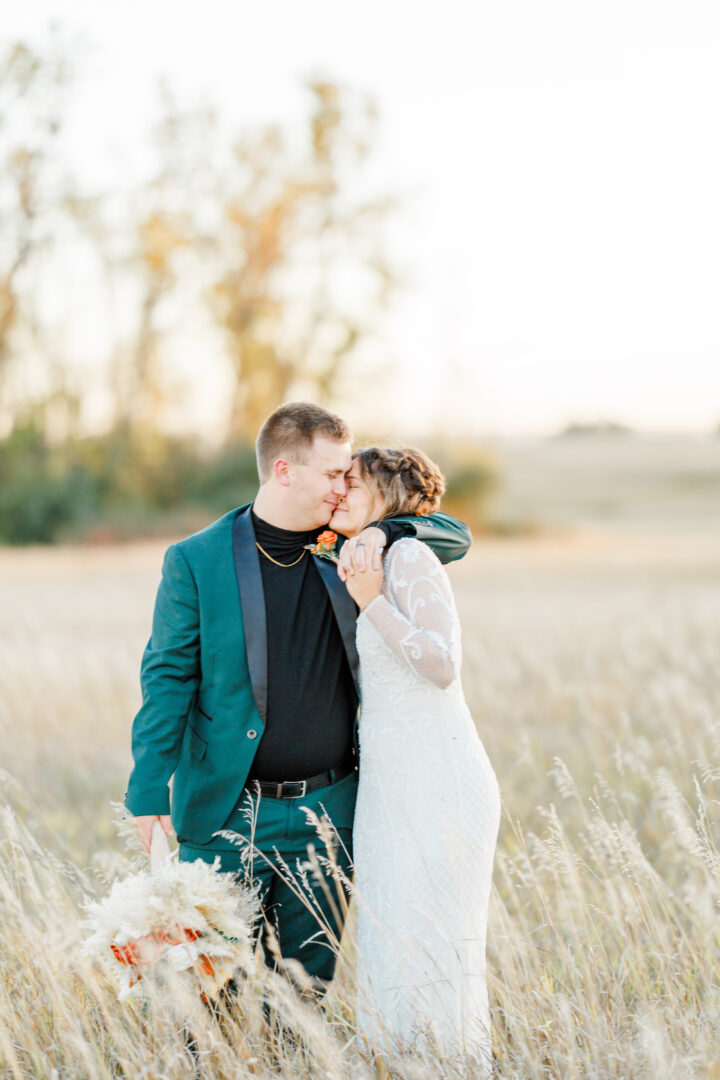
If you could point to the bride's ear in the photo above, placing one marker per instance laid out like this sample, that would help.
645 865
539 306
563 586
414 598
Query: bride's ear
379 504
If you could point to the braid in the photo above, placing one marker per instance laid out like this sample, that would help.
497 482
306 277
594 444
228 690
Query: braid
408 480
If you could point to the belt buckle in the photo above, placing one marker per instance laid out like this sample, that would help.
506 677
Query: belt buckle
301 794
280 789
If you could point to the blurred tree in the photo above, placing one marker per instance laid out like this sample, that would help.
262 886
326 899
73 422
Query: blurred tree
581 428
264 242
32 101
270 237
301 274
161 223
472 477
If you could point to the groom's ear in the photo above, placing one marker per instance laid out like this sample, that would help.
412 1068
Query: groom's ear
281 472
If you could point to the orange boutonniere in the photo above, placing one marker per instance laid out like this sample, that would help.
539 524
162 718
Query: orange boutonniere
324 546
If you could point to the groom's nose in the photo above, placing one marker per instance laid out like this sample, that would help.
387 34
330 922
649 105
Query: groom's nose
340 487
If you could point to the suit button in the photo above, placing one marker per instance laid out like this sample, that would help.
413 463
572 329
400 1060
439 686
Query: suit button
252 733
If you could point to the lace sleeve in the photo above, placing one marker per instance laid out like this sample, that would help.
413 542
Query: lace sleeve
416 618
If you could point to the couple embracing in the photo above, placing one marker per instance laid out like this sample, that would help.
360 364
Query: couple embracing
260 654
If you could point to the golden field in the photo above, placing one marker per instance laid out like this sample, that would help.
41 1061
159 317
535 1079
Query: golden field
591 665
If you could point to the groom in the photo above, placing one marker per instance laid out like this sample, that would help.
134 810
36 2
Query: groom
249 678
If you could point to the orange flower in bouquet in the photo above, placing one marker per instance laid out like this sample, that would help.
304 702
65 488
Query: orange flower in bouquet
185 920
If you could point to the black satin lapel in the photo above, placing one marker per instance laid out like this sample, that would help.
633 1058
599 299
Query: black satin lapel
344 608
252 600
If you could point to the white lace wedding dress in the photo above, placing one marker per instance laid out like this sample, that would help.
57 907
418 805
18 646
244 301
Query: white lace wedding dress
426 821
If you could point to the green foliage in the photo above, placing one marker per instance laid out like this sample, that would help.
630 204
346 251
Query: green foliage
120 484
39 497
138 482
226 480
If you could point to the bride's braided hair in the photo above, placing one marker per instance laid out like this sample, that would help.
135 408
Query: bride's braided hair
407 479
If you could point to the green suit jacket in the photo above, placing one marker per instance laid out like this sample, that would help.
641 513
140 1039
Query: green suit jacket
204 671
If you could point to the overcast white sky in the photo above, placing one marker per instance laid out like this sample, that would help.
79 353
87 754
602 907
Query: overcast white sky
563 232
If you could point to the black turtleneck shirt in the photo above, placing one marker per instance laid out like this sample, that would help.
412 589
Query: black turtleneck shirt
311 694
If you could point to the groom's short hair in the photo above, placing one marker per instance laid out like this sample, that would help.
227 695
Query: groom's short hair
289 432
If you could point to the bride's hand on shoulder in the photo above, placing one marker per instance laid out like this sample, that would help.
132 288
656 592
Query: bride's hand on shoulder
364 585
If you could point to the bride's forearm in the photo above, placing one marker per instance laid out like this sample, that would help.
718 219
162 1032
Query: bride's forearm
423 650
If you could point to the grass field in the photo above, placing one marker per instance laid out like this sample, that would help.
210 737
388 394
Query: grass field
591 665
660 481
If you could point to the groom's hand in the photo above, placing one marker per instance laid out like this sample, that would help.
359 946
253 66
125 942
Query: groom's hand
361 552
144 825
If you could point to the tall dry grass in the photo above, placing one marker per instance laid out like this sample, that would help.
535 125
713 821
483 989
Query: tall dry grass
592 670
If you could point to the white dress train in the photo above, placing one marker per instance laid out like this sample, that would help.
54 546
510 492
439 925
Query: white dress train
426 822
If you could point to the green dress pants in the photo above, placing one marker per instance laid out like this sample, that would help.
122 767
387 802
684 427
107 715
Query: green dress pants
280 832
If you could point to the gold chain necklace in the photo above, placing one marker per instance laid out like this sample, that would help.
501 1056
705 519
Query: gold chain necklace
285 564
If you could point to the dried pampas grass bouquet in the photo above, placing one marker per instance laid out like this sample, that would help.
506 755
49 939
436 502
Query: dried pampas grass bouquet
184 921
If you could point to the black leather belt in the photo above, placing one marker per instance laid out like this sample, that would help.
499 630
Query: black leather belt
297 789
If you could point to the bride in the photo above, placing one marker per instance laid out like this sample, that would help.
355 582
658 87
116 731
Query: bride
428 806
